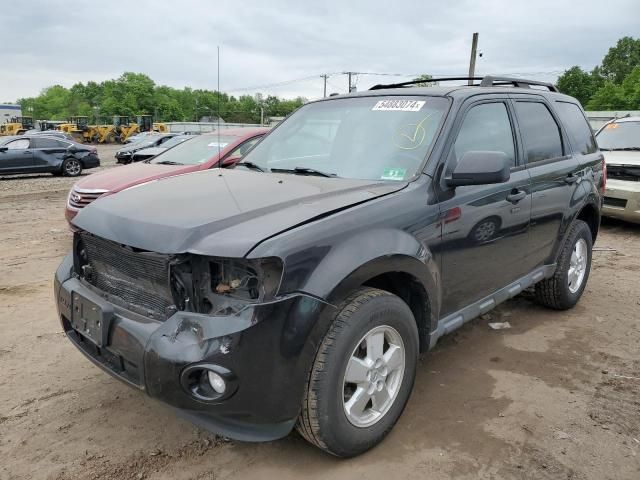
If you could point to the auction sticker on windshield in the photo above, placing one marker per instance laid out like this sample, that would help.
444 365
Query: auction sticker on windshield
399 105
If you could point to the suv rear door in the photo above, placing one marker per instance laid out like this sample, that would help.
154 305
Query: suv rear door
555 175
484 227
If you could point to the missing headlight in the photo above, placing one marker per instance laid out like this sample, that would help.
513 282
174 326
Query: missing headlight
224 286
234 278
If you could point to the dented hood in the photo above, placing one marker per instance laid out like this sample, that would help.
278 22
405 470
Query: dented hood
221 212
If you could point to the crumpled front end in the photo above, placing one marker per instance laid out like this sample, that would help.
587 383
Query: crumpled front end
208 336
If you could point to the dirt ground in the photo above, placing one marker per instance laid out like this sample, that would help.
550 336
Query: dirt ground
556 396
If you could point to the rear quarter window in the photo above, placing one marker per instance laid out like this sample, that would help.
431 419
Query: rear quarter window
580 134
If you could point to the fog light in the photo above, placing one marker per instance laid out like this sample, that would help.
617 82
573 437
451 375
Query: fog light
217 382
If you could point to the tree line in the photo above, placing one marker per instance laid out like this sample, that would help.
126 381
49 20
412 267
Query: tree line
135 94
612 85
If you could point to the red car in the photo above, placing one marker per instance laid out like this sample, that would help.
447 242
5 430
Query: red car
199 153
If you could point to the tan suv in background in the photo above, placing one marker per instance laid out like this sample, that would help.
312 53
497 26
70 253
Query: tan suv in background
619 140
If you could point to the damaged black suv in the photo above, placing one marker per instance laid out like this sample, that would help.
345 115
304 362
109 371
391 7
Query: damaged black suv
298 288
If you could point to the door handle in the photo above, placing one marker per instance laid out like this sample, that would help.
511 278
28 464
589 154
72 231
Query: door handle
26 153
571 178
516 195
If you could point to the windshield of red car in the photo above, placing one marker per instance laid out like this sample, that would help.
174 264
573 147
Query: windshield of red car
199 149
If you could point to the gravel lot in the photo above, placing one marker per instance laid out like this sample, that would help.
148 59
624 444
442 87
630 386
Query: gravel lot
554 397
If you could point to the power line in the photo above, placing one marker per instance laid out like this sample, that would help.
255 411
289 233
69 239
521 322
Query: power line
279 84
379 74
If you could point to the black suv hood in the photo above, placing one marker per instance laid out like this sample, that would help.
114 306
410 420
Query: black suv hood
221 212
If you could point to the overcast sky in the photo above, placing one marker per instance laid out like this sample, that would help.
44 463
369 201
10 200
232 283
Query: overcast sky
264 43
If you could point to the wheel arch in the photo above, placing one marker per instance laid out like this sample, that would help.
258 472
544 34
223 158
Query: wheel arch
404 276
590 214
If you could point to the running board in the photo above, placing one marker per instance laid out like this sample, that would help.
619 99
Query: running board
455 320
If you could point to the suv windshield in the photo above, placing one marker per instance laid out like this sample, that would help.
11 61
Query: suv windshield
198 149
620 136
372 138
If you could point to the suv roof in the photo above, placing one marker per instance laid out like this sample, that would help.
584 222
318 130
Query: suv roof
487 84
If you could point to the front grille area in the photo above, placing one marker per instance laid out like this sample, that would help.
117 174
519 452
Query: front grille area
619 172
80 198
615 202
138 279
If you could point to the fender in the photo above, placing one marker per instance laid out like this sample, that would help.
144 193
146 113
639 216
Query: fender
590 199
350 264
333 272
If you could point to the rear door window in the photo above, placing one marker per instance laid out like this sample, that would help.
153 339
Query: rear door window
540 132
578 128
45 143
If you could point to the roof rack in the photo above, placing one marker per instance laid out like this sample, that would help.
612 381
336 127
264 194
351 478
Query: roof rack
487 81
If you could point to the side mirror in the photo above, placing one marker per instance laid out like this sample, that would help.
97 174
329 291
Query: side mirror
480 168
4 149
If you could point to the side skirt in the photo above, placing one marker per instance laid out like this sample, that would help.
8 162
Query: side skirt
455 320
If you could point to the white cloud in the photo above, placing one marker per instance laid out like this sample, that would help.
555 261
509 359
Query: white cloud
263 43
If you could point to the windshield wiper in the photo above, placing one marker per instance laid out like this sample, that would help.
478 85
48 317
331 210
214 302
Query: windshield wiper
251 165
168 162
624 148
304 170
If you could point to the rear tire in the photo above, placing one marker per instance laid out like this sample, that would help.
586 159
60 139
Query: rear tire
563 290
362 375
71 167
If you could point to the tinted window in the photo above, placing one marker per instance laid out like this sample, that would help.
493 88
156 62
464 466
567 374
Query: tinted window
45 143
21 144
579 130
540 132
620 135
486 127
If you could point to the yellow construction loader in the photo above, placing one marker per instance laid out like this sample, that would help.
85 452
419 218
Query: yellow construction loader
16 126
79 128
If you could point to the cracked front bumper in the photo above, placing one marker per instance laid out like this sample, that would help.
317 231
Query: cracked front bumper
264 346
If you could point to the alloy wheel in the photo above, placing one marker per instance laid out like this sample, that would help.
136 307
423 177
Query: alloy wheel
373 376
73 167
577 265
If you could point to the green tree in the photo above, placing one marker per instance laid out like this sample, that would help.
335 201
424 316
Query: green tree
618 97
133 94
579 84
424 76
621 59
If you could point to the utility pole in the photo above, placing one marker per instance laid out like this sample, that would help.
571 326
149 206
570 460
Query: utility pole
350 89
324 91
472 60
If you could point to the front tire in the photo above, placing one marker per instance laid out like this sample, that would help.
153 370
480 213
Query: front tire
362 375
563 290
